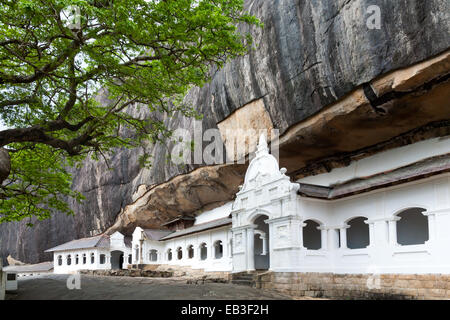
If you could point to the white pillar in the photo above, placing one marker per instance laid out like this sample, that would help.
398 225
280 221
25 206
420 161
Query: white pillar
333 239
371 232
431 226
343 234
302 225
250 249
393 231
264 245
323 238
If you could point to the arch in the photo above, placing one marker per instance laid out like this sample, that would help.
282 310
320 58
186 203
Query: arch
412 227
117 259
60 260
255 214
410 205
102 258
218 249
203 251
357 233
179 253
69 260
312 236
153 255
169 254
190 251
261 253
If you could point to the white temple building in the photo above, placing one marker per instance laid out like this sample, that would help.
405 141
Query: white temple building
387 213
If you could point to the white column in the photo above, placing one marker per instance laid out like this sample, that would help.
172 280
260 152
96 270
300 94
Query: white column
333 239
141 244
431 226
264 245
343 233
371 232
393 231
323 238
271 243
250 249
302 225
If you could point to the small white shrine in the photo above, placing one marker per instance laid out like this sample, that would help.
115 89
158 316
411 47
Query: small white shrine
387 213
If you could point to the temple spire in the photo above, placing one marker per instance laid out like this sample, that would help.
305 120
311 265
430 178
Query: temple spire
262 145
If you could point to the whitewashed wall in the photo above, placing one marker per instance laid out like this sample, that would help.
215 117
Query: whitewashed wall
383 254
73 267
268 192
211 263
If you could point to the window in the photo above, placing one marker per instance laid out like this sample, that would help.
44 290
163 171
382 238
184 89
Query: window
153 256
92 258
11 276
358 233
69 260
102 259
190 251
218 249
312 239
179 253
412 228
203 251
84 258
77 259
169 254
129 258
60 260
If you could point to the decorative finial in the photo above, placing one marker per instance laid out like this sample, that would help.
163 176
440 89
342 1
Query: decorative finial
262 145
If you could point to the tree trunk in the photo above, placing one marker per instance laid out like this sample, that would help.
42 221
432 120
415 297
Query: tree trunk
5 164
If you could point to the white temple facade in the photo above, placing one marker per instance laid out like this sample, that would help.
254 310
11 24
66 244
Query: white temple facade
387 213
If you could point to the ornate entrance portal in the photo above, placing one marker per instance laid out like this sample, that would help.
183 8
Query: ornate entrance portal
265 217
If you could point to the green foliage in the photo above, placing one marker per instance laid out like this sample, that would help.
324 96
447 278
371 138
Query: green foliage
38 181
67 85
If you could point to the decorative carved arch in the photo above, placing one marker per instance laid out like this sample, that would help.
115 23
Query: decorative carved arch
254 214
409 206
354 217
320 223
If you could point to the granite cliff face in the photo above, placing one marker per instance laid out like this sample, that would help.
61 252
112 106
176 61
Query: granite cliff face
333 87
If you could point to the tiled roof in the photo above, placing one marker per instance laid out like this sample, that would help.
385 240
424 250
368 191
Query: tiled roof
199 227
179 219
156 234
39 267
100 241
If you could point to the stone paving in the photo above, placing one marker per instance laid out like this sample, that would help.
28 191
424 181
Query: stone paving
54 287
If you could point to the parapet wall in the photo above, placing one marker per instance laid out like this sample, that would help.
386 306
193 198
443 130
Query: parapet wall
357 286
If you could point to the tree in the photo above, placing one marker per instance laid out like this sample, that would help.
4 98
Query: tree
57 56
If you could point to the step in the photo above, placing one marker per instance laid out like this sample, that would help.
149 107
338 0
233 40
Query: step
243 278
243 282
